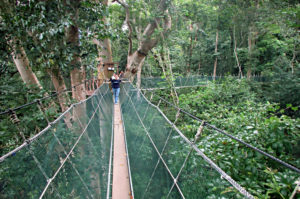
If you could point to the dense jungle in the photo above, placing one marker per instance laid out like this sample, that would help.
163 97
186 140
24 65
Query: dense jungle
245 52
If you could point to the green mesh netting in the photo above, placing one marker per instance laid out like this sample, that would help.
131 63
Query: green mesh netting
188 81
158 154
83 134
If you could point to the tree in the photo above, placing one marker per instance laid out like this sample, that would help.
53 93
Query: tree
135 59
13 39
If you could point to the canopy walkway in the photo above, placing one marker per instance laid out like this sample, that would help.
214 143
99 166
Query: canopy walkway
75 155
153 83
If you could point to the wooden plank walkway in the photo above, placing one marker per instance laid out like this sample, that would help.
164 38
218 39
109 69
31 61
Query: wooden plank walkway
121 183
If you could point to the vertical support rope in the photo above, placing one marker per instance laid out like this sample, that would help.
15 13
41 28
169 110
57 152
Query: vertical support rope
208 160
15 120
45 129
197 136
42 109
87 136
154 146
71 151
234 138
158 161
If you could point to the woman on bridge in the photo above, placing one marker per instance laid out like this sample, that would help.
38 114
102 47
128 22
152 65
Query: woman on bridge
115 84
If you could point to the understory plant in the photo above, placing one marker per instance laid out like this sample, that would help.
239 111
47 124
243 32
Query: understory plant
233 107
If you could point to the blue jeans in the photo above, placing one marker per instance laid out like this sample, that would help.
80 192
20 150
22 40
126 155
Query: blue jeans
116 92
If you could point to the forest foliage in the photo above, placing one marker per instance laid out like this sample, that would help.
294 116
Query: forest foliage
237 39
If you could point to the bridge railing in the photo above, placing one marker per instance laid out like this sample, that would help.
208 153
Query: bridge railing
187 81
163 162
68 159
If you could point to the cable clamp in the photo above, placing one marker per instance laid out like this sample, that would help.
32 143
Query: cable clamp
13 116
49 180
38 101
199 131
27 141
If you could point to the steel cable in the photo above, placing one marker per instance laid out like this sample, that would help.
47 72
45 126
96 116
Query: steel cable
232 137
41 99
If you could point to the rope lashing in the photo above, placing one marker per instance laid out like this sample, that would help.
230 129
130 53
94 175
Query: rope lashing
13 117
199 131
15 120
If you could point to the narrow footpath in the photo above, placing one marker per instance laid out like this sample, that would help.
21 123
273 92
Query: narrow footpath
121 184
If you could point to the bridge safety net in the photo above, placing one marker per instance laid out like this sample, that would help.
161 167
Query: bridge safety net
186 81
163 162
72 156
68 159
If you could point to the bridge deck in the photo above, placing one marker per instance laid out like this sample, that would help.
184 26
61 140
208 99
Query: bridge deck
121 183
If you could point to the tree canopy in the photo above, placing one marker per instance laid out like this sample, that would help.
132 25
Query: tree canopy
52 46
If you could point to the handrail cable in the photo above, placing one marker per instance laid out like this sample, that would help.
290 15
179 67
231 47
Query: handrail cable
207 159
70 152
232 137
44 130
43 98
155 148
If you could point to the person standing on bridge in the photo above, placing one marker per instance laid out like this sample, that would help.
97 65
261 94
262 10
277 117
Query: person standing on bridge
115 84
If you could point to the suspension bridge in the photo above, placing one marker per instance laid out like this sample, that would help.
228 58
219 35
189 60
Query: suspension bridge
99 150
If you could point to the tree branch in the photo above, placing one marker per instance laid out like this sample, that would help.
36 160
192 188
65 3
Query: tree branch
97 42
127 19
149 43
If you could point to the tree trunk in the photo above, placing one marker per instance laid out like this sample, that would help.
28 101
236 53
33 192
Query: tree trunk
216 59
173 90
189 62
22 63
77 82
199 67
168 73
293 59
60 86
78 72
104 56
249 69
136 59
63 98
104 51
138 82
251 42
236 55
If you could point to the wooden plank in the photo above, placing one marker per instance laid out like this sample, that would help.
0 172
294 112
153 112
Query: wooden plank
121 183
